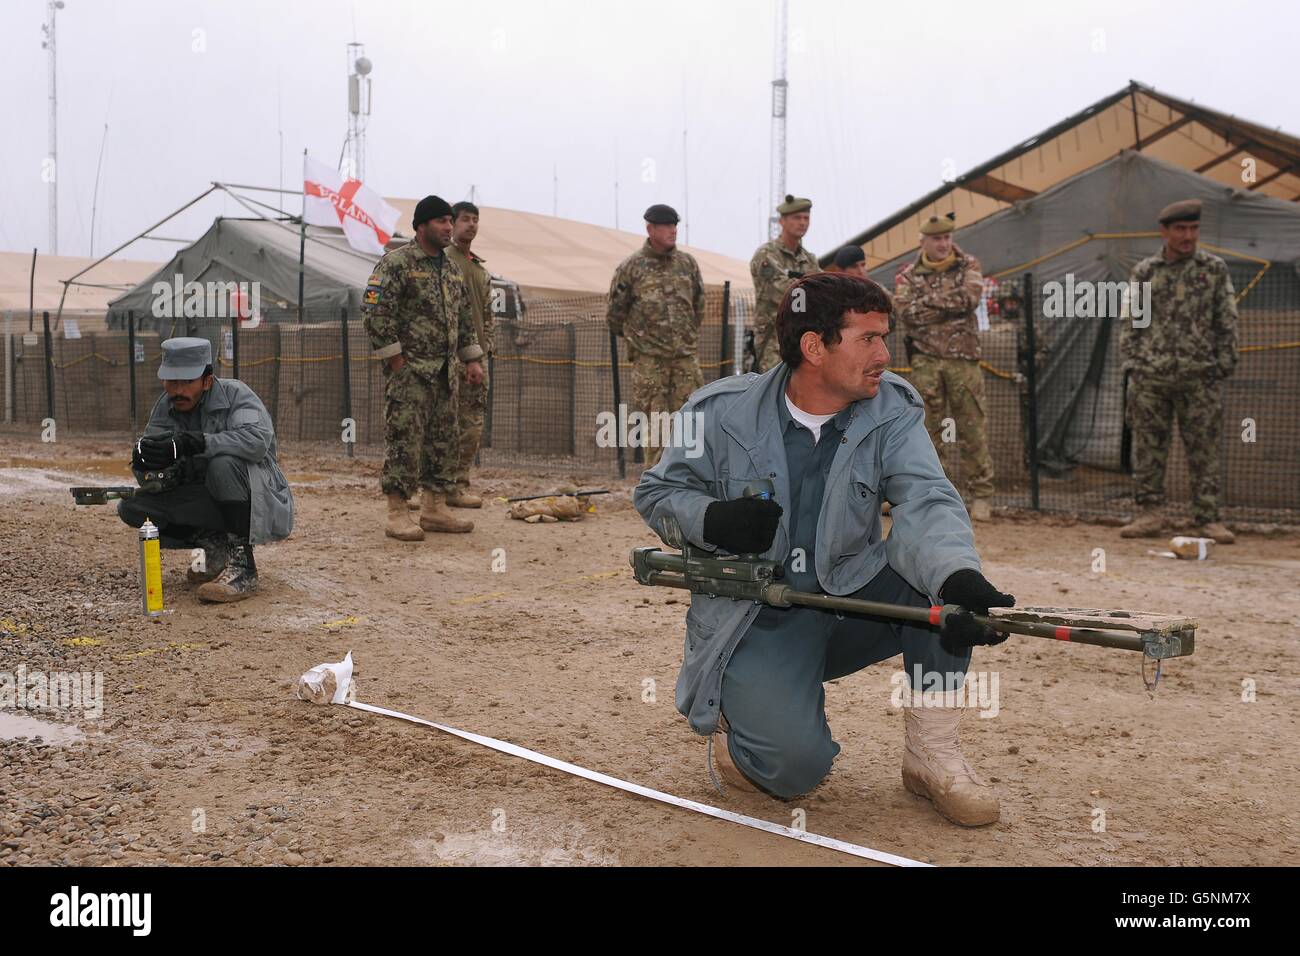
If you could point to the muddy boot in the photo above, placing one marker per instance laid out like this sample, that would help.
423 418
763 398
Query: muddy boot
934 768
216 552
400 523
1148 523
1218 531
434 516
237 580
722 766
464 498
981 510
414 503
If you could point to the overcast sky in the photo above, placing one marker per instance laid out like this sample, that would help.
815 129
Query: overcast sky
505 96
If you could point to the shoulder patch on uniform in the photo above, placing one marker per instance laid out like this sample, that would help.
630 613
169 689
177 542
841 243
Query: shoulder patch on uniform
375 280
371 297
903 385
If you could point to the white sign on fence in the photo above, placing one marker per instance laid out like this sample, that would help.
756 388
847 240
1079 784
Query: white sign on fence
71 330
139 353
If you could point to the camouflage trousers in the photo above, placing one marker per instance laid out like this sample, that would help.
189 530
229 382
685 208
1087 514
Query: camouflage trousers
663 385
471 411
767 347
955 387
421 440
1152 406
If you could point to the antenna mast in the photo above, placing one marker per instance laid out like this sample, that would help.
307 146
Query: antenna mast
52 169
779 94
359 67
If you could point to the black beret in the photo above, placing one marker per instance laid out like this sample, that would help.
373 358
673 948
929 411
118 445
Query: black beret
1185 210
430 207
849 255
661 215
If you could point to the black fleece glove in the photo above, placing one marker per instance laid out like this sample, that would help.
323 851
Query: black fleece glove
742 526
155 452
972 591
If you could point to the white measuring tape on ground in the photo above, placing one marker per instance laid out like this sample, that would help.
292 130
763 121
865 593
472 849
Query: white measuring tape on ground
801 835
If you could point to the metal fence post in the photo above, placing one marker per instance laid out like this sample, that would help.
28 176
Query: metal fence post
130 362
726 327
234 343
1031 384
49 367
613 367
347 378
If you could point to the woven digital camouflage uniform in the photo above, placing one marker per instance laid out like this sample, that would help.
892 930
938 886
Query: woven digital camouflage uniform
936 311
774 268
417 305
1175 369
656 300
472 404
663 385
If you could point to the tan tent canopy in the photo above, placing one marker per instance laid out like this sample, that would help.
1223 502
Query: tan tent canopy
549 255
110 280
1157 125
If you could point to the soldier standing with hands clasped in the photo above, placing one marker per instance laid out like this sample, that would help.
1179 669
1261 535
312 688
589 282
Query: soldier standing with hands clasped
417 314
776 266
656 300
935 298
1176 366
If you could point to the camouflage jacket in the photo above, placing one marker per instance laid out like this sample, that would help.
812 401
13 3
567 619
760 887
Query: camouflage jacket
479 282
657 301
1193 328
774 269
417 305
936 310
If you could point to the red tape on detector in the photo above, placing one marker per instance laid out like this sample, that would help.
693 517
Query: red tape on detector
935 613
1062 633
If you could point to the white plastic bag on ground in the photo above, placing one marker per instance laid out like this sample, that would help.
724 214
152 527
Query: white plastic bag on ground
329 683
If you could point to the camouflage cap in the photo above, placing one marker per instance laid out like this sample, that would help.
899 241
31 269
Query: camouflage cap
938 225
184 359
661 215
1185 210
794 204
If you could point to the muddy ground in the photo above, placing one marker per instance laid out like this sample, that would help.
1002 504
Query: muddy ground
202 754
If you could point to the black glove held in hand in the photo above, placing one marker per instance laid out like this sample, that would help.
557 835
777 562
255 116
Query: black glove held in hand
155 453
191 443
742 526
972 591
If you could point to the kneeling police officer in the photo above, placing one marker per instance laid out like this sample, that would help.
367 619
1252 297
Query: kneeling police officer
208 457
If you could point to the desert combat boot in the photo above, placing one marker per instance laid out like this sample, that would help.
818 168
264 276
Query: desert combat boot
400 523
934 767
1148 523
434 516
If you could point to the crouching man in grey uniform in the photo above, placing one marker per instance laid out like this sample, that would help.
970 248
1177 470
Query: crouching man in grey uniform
834 434
222 490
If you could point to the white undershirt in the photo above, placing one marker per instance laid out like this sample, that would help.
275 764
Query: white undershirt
813 423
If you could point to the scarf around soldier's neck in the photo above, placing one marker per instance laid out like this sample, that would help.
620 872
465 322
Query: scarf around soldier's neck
943 265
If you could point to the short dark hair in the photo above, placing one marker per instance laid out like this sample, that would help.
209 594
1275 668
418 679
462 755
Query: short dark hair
461 207
207 370
826 297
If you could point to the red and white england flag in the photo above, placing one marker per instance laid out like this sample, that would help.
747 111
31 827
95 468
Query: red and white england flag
331 200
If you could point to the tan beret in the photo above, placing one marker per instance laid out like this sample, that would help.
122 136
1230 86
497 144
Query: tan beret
1185 210
938 225
794 204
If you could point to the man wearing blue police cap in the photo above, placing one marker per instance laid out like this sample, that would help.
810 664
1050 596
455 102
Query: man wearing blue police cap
208 472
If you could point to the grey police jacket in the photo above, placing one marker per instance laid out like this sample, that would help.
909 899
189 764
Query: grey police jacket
235 422
885 453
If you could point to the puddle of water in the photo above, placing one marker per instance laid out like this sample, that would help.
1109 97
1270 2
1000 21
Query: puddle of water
13 726
118 467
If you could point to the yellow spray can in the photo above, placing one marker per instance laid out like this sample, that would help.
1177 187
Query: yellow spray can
151 593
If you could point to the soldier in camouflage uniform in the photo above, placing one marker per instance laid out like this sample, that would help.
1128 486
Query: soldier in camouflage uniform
656 300
473 398
1176 366
935 301
417 313
775 267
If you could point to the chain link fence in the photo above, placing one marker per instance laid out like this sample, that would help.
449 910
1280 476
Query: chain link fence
552 374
